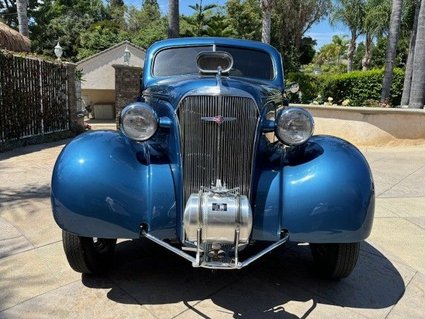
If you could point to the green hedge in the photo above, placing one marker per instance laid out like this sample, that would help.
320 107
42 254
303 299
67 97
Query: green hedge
362 88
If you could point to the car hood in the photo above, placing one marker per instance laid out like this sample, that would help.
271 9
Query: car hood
174 89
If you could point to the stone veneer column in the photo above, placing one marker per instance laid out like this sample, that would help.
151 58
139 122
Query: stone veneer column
76 120
127 87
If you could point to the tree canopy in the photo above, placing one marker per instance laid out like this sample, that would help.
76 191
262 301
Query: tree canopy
85 27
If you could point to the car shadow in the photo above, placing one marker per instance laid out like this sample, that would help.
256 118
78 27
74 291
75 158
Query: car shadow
151 275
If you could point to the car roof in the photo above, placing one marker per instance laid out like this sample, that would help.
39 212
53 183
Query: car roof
211 41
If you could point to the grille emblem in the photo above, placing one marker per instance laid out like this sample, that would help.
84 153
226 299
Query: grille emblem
218 119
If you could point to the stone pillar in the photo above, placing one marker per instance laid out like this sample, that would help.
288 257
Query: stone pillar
127 87
76 120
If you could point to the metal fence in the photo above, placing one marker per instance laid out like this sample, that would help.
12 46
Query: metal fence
33 97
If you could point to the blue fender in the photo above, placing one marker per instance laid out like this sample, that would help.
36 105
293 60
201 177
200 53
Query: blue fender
105 185
322 192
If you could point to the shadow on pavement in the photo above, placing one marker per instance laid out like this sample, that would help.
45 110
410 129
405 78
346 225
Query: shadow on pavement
152 275
26 194
31 149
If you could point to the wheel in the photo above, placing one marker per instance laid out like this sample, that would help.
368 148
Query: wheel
335 261
88 255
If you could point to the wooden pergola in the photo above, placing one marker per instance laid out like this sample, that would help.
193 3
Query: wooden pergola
12 40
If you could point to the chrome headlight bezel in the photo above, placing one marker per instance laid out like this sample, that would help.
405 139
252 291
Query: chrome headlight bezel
294 126
131 118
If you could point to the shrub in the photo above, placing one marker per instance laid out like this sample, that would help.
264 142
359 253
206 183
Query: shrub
371 103
361 87
309 86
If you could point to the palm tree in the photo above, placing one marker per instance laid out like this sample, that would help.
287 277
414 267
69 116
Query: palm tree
173 19
266 7
331 53
21 8
417 90
393 37
409 64
376 21
350 13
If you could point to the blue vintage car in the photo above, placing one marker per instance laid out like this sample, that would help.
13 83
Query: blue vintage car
212 160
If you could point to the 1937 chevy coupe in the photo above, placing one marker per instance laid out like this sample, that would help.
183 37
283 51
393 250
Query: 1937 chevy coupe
210 160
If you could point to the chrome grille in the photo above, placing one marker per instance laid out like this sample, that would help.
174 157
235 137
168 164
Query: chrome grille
214 151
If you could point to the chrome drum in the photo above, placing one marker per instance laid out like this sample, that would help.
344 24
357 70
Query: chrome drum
218 213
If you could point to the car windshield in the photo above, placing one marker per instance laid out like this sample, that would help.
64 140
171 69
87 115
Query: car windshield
246 62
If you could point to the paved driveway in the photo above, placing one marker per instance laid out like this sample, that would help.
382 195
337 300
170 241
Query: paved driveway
149 282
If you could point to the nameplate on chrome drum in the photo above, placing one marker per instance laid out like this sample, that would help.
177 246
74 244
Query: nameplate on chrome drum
219 207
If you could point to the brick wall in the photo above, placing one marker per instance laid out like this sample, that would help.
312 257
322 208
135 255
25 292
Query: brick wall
127 86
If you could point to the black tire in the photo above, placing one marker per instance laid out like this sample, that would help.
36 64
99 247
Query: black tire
88 255
335 261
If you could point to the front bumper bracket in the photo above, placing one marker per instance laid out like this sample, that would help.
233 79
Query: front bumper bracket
196 261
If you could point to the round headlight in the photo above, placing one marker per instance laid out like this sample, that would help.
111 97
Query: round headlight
294 126
139 121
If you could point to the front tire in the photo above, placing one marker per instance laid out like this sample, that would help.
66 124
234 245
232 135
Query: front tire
88 255
335 261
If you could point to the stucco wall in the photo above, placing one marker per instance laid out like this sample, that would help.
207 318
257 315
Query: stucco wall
98 73
98 96
100 99
370 126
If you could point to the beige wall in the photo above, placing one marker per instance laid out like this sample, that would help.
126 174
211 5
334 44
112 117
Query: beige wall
98 73
92 97
104 99
370 126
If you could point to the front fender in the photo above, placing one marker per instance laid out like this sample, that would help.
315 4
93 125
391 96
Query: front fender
104 185
321 193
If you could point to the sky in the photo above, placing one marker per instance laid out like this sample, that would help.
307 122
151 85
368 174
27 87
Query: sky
322 32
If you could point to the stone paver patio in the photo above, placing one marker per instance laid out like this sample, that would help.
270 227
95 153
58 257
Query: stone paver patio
149 282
